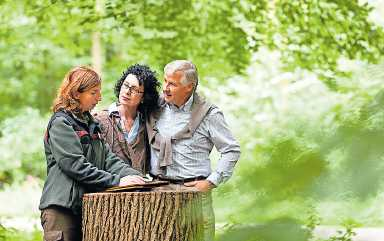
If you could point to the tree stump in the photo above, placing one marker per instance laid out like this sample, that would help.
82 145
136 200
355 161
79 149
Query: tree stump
155 215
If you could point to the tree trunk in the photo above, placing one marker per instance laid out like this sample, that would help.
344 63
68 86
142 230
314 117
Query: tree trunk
157 216
96 50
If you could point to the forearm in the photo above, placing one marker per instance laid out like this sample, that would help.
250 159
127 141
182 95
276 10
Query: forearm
226 144
87 174
225 167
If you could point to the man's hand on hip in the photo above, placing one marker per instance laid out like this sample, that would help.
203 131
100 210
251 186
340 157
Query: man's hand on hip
202 186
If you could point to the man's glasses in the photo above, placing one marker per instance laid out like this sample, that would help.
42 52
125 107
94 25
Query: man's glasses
132 89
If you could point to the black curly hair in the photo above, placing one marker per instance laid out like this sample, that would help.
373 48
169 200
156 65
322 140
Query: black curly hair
146 77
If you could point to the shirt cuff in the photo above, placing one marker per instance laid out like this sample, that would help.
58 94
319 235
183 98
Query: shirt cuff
215 178
115 180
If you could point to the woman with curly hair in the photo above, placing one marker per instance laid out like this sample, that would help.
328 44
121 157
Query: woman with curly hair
123 123
78 161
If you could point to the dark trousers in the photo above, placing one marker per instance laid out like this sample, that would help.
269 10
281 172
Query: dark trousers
60 224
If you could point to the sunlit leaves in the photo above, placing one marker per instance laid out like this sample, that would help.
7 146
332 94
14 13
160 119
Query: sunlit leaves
315 34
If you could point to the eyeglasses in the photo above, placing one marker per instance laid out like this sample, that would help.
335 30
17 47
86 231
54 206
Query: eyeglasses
132 89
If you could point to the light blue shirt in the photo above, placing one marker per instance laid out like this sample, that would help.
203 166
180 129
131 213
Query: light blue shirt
191 155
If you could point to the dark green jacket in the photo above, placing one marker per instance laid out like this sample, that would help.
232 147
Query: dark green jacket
74 168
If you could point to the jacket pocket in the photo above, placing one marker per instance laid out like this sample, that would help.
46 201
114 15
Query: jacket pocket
53 236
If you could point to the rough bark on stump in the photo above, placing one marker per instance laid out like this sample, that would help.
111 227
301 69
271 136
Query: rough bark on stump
155 216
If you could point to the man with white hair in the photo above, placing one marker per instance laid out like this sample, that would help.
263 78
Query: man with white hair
182 135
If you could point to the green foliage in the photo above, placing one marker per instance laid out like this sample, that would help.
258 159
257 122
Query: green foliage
156 31
307 142
284 229
34 59
303 145
41 40
346 235
312 222
359 137
10 234
21 146
295 167
315 34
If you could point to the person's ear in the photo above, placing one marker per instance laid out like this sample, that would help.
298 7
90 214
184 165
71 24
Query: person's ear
190 86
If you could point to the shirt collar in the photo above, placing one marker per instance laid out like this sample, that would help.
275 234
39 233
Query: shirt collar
112 109
186 107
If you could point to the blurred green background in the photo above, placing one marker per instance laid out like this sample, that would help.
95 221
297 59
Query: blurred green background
300 83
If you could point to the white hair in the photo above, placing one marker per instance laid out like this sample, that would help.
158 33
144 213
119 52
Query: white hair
187 68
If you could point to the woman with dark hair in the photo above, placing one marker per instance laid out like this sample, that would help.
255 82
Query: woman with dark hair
78 161
123 123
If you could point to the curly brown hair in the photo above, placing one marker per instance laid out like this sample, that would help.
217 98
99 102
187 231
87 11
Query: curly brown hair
77 80
146 78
